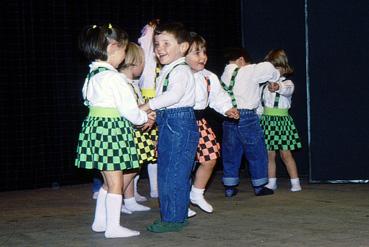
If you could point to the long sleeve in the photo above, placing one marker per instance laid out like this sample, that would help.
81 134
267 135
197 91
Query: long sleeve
219 99
286 88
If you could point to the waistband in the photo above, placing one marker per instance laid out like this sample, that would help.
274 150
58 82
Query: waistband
104 112
171 111
148 92
246 111
275 112
199 114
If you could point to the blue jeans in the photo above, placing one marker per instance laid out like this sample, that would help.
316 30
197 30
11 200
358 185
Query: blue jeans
177 143
244 137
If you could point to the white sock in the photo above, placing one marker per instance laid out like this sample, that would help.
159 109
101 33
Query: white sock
295 184
113 227
272 183
133 206
152 170
190 213
99 224
125 210
197 198
138 197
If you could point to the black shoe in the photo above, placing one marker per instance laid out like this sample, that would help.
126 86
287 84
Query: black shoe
230 191
265 192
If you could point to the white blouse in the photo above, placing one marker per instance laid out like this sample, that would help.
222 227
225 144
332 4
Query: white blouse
109 89
147 79
181 87
285 91
217 98
246 89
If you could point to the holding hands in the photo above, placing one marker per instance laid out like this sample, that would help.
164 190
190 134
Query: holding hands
151 115
233 113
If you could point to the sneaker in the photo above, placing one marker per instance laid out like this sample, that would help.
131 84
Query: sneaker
191 213
230 191
271 186
140 198
201 202
95 195
296 188
125 210
265 192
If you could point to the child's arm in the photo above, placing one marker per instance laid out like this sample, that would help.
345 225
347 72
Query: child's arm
178 80
285 88
219 99
265 71
126 101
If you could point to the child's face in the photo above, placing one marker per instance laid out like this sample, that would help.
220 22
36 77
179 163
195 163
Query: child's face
137 70
116 53
167 49
197 58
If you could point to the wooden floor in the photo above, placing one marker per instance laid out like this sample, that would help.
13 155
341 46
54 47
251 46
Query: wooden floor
320 215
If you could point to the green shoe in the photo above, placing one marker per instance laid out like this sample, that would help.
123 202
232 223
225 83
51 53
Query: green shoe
160 227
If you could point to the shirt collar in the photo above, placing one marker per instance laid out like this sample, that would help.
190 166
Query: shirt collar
95 65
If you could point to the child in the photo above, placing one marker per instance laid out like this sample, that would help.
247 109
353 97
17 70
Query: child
241 80
208 92
106 139
280 131
178 133
147 85
132 68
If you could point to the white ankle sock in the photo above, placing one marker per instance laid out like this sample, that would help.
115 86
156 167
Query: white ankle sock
152 170
197 198
190 213
138 197
272 183
295 184
113 227
133 206
99 224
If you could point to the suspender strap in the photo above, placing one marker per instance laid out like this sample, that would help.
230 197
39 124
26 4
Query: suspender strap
166 80
208 85
229 89
276 100
262 87
89 75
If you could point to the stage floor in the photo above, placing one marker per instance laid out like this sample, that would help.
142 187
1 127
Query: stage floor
320 215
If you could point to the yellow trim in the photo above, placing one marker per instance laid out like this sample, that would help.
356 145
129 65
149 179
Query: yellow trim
103 112
148 92
275 112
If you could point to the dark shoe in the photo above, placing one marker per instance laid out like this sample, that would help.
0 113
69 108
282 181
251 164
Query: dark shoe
160 227
265 192
230 191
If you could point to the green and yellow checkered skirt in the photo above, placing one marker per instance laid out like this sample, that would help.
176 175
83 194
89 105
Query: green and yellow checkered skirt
106 142
279 130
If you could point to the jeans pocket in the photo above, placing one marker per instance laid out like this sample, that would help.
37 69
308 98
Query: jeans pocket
192 142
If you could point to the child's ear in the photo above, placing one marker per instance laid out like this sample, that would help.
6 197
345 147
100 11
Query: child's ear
184 47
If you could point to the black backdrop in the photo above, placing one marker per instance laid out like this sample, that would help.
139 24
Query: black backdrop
42 73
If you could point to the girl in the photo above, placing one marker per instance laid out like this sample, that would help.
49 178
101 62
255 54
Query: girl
131 68
106 139
280 132
208 92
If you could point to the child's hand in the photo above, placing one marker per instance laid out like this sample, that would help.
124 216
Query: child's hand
273 86
233 113
150 122
145 107
154 22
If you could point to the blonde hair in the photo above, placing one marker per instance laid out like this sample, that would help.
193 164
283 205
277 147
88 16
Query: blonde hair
134 56
279 58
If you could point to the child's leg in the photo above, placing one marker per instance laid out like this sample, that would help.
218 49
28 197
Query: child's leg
113 207
99 224
254 146
290 164
231 155
202 177
138 197
152 170
272 180
130 203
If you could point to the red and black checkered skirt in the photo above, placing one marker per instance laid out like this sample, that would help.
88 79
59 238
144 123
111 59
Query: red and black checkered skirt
208 148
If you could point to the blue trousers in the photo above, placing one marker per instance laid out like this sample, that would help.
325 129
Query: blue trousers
177 143
244 137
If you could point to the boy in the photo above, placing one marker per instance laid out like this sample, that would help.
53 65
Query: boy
241 80
176 121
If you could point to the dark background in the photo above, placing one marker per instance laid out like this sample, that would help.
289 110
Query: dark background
42 74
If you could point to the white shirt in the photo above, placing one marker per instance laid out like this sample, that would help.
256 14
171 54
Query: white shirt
147 79
286 88
246 89
181 87
218 99
135 89
109 89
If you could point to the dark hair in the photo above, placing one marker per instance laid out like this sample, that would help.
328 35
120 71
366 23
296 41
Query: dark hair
197 40
177 29
278 58
94 40
233 53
